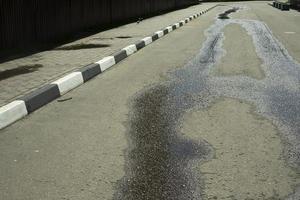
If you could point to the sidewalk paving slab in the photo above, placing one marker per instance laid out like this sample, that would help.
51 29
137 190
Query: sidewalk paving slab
60 61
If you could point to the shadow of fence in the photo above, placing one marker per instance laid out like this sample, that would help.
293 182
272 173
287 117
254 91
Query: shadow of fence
28 23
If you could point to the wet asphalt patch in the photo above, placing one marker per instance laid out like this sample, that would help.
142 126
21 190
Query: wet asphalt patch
24 69
226 13
159 156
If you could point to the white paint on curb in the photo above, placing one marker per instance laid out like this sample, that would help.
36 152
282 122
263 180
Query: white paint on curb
177 25
159 33
131 49
106 63
169 28
12 112
147 40
69 82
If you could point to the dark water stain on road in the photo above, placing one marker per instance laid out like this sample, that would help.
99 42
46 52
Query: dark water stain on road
158 156
226 13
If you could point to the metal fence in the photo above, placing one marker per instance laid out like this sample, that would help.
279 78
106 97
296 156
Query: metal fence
30 22
295 4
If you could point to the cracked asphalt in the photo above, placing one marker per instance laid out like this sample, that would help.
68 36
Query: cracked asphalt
210 111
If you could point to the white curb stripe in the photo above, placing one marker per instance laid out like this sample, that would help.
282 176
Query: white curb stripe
159 33
177 25
131 49
12 112
106 63
147 40
169 28
69 82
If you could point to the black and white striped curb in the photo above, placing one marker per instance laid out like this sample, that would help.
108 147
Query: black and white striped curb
27 104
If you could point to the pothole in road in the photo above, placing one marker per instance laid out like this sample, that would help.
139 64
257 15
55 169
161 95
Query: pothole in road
226 13
25 69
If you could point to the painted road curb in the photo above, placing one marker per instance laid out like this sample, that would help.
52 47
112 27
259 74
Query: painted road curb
29 103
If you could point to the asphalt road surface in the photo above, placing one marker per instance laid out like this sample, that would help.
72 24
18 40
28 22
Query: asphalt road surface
211 111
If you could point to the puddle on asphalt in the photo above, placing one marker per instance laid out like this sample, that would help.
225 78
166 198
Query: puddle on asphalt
158 156
226 13
25 69
82 46
263 145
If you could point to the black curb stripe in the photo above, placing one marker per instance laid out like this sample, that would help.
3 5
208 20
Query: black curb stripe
186 21
174 27
154 37
120 55
40 97
180 23
90 71
191 18
140 44
166 31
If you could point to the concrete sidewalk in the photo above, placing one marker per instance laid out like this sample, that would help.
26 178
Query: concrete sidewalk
44 67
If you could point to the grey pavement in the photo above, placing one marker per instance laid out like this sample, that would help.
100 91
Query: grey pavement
210 111
57 62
